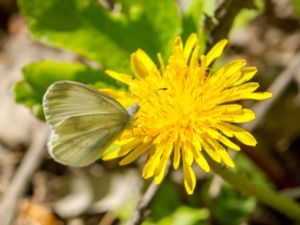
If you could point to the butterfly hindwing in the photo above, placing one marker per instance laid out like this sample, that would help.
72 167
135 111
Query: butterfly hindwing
79 141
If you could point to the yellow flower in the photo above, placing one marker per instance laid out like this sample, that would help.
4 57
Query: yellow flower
187 111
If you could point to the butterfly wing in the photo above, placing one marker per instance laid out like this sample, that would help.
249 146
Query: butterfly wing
84 122
64 99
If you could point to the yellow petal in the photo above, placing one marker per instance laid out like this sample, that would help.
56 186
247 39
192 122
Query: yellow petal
161 61
247 74
111 152
211 152
196 149
244 88
176 159
219 137
228 70
148 170
216 51
135 153
229 107
244 136
138 67
228 143
194 62
201 161
147 61
226 158
121 96
189 178
241 116
141 64
233 67
190 44
122 77
224 129
126 146
188 156
257 96
161 168
152 163
177 43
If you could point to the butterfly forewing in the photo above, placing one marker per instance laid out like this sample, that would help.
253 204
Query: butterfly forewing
83 121
64 99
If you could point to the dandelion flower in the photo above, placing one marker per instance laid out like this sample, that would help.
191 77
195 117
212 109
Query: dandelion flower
187 111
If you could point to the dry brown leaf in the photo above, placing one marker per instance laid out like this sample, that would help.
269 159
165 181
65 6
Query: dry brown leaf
32 213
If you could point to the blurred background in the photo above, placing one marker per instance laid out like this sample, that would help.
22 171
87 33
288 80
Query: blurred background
35 190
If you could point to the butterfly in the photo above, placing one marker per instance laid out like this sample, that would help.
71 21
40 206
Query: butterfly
83 121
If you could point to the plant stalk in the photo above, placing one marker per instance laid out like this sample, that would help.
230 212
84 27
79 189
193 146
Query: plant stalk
265 195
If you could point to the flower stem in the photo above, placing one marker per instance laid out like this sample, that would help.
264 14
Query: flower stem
267 196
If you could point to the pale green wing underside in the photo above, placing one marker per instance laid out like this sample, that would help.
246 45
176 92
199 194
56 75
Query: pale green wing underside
79 140
64 99
83 121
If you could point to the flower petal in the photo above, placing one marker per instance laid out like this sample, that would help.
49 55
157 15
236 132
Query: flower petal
257 96
226 158
228 143
190 44
216 51
126 146
151 165
189 177
247 74
240 116
243 136
161 168
211 152
201 161
135 153
141 64
176 159
122 77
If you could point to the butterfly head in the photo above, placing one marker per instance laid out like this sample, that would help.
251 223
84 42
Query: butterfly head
133 109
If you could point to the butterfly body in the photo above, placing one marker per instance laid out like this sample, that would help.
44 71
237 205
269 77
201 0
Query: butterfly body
83 121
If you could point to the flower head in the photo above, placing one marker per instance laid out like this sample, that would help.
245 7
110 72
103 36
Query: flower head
187 111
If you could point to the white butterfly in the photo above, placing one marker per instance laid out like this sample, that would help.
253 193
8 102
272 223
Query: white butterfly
84 122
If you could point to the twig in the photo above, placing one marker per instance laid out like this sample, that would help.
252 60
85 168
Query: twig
30 163
225 15
291 193
142 209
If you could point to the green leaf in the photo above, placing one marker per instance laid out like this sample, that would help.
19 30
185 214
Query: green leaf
183 215
165 201
209 7
90 30
297 7
38 76
191 20
245 16
230 202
